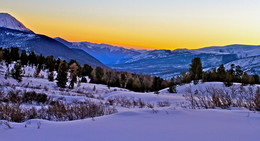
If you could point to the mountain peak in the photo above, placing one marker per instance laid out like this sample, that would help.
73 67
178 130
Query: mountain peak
8 21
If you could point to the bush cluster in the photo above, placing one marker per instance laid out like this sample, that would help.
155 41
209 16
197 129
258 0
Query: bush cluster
224 98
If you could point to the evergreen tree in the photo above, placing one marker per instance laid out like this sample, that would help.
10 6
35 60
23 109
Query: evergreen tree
245 79
62 74
14 54
196 69
221 73
232 69
73 74
213 75
172 89
123 80
99 72
51 76
256 79
205 77
129 84
238 74
157 83
32 59
86 70
1 55
17 71
40 61
57 64
7 56
185 78
84 79
50 63
228 80
24 58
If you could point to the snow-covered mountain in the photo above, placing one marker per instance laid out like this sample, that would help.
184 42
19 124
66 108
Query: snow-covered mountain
163 63
8 21
12 36
107 54
241 51
249 64
167 63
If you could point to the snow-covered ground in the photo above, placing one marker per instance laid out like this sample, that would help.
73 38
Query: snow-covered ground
173 122
142 125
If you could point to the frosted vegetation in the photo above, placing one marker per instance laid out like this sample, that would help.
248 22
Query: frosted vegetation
119 105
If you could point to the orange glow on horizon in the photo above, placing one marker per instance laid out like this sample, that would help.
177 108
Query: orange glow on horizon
146 24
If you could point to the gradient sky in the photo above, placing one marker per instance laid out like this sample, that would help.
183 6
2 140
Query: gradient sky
156 24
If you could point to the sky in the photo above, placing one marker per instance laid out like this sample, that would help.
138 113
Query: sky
143 24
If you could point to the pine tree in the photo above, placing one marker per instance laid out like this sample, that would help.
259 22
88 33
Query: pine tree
221 73
62 74
14 54
24 58
40 61
245 79
17 71
123 80
84 79
86 70
256 79
129 84
157 83
32 59
238 74
228 81
1 55
50 63
99 74
172 89
7 56
51 76
73 74
196 69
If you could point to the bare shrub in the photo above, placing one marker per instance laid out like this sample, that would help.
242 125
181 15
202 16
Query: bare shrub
126 102
257 100
11 112
150 106
59 111
224 98
165 103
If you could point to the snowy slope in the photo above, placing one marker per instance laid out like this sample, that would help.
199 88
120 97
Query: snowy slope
166 63
249 64
143 125
241 51
8 21
131 124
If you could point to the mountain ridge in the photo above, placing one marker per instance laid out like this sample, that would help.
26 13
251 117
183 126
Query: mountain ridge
17 35
167 63
8 21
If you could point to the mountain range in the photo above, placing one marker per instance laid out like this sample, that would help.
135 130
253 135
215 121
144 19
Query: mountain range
163 63
15 34
168 63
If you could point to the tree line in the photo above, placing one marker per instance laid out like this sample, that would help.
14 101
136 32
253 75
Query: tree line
67 74
220 74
